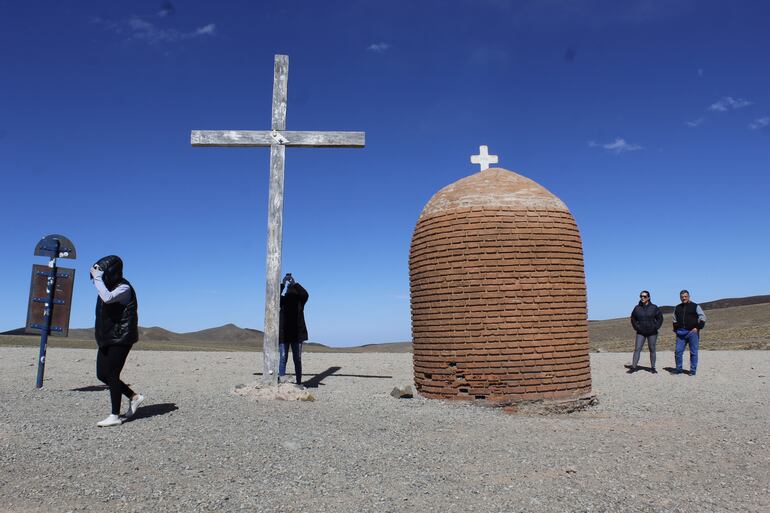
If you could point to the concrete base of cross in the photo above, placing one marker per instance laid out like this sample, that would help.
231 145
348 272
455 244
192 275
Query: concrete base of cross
258 391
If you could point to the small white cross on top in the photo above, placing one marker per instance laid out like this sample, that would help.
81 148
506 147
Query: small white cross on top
484 159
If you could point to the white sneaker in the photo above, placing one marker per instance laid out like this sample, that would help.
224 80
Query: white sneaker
133 405
112 420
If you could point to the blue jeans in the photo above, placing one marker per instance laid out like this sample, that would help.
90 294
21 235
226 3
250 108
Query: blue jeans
692 338
296 354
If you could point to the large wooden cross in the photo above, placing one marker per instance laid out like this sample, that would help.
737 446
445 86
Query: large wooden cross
278 139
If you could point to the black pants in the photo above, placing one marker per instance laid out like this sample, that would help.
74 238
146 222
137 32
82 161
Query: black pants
109 363
296 354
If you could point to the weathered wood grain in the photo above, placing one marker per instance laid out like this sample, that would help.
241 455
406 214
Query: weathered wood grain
280 91
273 264
275 224
262 138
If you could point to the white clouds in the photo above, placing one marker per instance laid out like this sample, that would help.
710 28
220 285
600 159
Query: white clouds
728 103
207 30
137 24
695 122
139 29
379 47
146 31
760 123
618 146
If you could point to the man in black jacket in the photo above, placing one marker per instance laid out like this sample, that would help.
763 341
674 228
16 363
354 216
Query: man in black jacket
646 318
292 330
689 319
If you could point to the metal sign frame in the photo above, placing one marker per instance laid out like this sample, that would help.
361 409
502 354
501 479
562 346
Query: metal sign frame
44 299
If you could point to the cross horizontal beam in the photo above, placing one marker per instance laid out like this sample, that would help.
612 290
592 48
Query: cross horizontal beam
253 138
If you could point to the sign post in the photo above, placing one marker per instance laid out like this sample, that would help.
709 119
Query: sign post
50 295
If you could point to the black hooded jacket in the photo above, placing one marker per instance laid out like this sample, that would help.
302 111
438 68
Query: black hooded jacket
291 326
116 324
646 319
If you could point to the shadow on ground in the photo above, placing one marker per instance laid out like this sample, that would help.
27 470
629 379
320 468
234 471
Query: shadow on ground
153 410
317 379
674 370
90 388
640 368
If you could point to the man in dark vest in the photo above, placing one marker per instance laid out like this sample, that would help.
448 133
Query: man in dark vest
689 319
116 330
292 330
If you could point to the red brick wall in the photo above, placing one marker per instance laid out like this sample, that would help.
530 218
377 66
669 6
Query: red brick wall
499 305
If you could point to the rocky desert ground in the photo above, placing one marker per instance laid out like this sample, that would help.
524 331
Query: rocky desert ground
653 443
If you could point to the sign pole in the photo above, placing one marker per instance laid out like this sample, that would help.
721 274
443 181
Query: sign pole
50 295
47 311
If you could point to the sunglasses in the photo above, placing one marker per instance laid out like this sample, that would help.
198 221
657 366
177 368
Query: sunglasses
644 296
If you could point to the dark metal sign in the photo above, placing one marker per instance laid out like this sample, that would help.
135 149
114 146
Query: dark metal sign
55 246
58 309
50 295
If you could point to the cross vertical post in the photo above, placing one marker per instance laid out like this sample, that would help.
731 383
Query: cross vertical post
275 223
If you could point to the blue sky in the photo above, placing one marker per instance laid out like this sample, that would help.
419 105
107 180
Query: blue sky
650 119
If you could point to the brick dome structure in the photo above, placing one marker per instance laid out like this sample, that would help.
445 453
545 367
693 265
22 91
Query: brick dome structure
498 293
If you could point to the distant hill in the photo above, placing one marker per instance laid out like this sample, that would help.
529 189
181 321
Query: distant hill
229 332
726 303
390 347
224 338
727 327
733 323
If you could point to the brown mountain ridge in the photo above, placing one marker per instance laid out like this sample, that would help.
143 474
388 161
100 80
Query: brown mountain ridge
733 323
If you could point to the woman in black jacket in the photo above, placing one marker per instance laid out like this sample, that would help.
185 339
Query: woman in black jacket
116 330
646 320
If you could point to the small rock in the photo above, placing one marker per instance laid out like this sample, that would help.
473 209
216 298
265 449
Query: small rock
404 392
291 445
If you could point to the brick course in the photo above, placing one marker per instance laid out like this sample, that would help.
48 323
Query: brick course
498 293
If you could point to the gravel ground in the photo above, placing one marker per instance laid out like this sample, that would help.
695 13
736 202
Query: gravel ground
654 443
